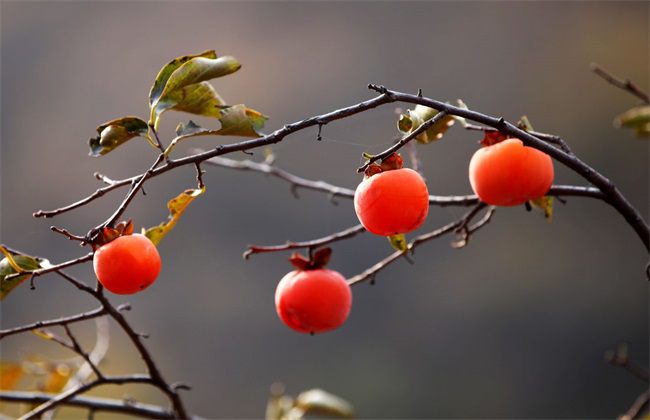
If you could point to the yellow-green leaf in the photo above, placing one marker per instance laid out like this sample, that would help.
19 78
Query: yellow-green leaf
116 132
199 98
545 204
26 263
176 208
398 242
178 90
319 402
168 69
238 120
638 119
417 116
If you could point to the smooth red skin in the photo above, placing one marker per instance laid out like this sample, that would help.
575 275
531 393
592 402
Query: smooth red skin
313 301
127 265
392 202
509 173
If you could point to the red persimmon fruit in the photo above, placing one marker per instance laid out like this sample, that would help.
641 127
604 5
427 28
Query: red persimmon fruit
127 265
312 299
390 201
508 173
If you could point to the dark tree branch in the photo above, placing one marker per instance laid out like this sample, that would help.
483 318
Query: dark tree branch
370 273
549 138
404 140
73 392
612 195
94 403
132 193
54 322
625 84
344 234
76 347
41 271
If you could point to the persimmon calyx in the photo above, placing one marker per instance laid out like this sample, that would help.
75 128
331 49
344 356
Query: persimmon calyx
108 234
493 137
318 260
389 163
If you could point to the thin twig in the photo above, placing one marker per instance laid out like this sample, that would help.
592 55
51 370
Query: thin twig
67 234
620 358
637 407
314 243
625 84
99 404
51 268
404 140
370 273
71 393
54 322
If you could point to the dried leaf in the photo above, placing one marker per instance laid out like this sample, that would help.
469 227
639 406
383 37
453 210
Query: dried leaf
545 204
116 132
59 374
10 374
26 263
176 208
638 119
319 402
420 114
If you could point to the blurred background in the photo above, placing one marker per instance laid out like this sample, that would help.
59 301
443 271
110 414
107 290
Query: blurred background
514 325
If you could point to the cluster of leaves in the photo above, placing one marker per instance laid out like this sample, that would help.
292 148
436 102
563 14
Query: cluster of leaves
182 85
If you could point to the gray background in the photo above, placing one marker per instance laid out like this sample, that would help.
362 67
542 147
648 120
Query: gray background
515 325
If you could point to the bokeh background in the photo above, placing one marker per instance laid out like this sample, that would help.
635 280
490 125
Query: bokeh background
514 325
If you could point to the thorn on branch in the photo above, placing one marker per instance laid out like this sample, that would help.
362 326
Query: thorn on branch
319 137
378 88
248 153
142 334
180 385
124 307
294 191
419 93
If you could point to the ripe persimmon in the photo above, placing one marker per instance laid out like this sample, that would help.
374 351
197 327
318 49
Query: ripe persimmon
312 299
391 199
127 265
508 173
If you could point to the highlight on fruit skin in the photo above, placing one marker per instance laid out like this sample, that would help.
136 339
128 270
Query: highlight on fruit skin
391 200
127 264
509 174
313 299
